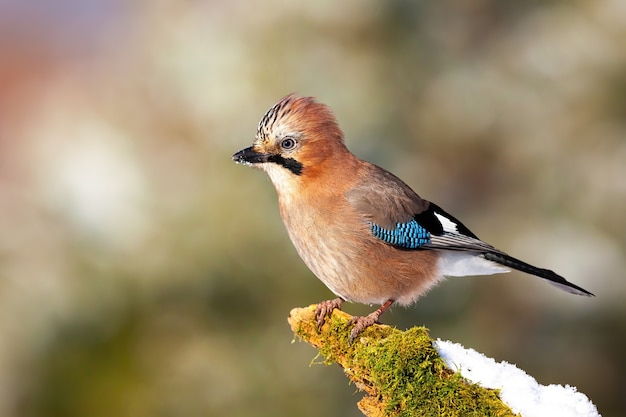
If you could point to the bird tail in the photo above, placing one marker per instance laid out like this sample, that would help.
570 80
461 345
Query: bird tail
552 277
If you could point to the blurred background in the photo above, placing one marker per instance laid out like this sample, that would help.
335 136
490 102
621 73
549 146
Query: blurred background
144 273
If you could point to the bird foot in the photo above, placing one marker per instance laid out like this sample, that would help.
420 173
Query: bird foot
325 309
361 323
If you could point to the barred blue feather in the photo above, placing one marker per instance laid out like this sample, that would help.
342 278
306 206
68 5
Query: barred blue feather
410 235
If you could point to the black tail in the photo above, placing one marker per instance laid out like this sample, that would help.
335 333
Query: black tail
554 278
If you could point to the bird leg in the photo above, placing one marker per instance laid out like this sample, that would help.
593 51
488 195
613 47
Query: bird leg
363 322
325 309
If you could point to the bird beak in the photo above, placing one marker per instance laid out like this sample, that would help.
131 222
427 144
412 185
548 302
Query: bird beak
249 156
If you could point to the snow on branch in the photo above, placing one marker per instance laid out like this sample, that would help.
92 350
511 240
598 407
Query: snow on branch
405 373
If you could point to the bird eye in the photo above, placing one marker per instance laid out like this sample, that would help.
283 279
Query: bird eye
288 143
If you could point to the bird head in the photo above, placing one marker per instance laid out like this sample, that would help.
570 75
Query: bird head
295 139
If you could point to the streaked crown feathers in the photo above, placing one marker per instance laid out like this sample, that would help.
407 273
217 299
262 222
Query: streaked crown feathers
295 116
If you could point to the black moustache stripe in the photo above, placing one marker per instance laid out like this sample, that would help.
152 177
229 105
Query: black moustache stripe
289 163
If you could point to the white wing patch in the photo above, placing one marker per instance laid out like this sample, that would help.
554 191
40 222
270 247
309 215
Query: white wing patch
447 224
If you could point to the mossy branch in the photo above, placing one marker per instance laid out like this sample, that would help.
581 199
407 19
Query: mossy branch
400 371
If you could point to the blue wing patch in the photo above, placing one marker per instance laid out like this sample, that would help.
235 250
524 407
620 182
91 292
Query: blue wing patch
408 235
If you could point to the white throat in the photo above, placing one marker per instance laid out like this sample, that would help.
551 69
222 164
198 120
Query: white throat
284 180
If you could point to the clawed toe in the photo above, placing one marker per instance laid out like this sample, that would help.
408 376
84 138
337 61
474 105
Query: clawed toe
361 323
325 309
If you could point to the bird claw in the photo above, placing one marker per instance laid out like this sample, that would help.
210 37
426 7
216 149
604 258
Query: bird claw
325 309
361 323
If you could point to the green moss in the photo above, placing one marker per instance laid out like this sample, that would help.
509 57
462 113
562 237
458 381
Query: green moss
401 372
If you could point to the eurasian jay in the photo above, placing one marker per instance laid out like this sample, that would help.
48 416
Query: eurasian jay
360 229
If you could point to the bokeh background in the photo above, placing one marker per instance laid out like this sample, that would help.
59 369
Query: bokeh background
144 273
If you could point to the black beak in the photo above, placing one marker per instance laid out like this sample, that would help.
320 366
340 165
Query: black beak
249 156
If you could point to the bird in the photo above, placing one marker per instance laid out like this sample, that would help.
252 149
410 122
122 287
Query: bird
359 228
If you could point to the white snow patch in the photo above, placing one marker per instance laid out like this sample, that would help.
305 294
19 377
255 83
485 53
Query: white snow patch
521 392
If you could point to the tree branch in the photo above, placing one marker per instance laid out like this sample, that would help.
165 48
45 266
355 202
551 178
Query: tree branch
400 372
